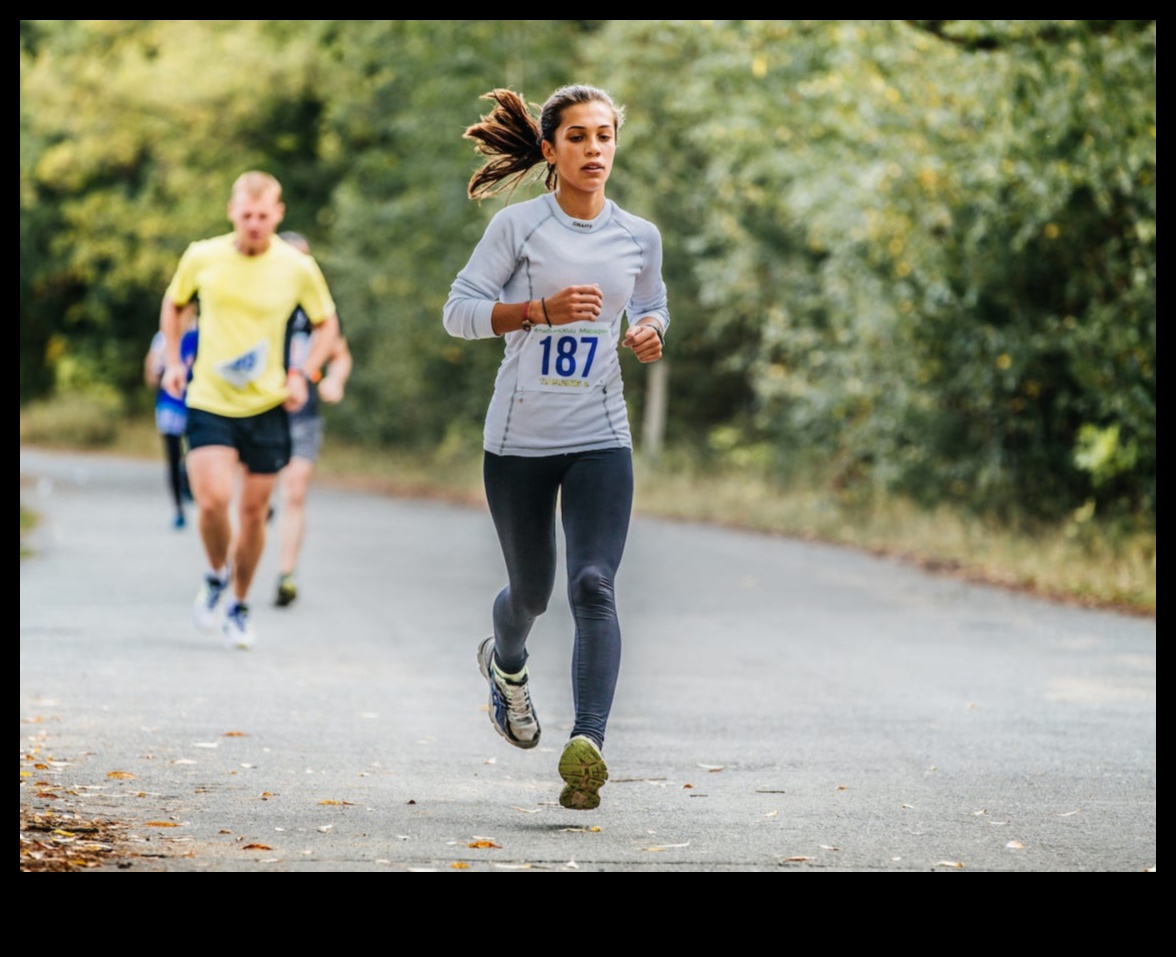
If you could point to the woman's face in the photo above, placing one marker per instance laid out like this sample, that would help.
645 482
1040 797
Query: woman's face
585 146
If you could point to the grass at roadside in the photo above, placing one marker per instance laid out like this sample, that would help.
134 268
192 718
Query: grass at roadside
27 521
1081 563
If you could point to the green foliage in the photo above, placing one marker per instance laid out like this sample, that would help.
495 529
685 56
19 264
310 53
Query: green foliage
913 256
76 419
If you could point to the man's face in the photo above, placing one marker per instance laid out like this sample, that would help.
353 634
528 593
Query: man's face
255 219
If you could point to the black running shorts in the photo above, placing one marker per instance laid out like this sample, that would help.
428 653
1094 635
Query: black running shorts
262 441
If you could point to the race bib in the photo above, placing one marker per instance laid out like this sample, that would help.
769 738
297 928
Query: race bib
246 368
566 359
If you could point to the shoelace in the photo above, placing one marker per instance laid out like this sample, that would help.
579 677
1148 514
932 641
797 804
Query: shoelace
518 701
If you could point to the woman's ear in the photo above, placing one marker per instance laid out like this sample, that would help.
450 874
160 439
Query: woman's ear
548 151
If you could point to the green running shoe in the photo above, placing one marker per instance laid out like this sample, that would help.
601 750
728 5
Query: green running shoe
287 591
584 772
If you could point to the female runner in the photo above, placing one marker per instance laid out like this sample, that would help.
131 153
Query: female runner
556 277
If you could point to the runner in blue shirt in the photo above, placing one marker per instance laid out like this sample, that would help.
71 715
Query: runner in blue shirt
171 412
564 280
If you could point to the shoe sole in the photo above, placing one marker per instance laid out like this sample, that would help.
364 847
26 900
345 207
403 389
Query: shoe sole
285 599
484 668
584 773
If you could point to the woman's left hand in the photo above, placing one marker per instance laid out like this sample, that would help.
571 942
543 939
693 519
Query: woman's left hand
644 341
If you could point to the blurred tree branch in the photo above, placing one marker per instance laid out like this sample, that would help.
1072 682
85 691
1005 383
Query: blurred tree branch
975 41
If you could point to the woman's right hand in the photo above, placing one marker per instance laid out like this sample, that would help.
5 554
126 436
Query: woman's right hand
574 304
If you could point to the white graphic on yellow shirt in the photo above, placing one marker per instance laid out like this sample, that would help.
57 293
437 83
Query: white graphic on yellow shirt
247 368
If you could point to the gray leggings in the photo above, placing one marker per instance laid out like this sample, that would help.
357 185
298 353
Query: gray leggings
595 495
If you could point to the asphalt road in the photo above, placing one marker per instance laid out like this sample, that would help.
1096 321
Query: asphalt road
783 705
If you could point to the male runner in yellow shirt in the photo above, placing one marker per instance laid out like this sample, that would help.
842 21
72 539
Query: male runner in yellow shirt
248 283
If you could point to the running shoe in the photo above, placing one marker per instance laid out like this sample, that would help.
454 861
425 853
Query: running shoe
287 591
511 712
208 610
238 627
180 521
584 772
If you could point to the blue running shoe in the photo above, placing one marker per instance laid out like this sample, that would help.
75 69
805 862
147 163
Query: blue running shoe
511 712
584 773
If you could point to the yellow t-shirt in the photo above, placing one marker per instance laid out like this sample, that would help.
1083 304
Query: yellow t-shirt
245 303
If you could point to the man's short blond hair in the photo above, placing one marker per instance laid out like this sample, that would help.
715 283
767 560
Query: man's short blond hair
255 184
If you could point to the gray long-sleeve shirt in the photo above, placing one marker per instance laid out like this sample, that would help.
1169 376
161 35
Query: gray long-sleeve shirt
559 390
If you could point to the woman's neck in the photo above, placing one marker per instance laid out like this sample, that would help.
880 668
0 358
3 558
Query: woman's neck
580 205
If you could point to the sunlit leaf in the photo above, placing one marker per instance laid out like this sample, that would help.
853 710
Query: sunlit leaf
523 810
658 849
162 824
460 866
713 768
236 734
257 847
796 860
952 865
1015 846
484 846
120 776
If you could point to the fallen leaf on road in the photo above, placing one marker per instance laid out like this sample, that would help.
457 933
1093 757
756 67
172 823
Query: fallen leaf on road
183 762
120 776
484 846
160 824
908 807
326 829
257 847
772 814
713 768
207 745
953 865
1071 813
514 867
335 804
659 849
795 860
842 787
523 810
459 866
572 866
236 734
1015 846
829 847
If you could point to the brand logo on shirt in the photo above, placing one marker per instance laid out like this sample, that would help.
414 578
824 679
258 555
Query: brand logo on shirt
246 368
581 225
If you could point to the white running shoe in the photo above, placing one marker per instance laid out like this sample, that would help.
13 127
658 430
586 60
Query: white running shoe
208 608
238 627
511 711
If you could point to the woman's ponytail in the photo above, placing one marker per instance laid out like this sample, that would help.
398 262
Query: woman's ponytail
511 139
